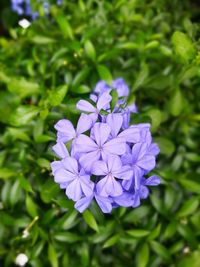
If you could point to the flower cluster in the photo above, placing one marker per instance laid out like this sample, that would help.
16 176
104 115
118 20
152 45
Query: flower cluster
108 158
23 7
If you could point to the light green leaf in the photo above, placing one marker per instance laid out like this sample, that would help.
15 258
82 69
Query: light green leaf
111 241
104 73
188 207
23 87
166 146
6 173
57 95
183 46
143 256
160 250
90 220
90 50
52 256
31 207
176 103
23 115
138 233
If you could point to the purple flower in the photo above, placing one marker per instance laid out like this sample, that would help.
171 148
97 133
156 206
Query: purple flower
60 150
110 170
108 158
102 87
66 131
121 87
99 146
76 181
115 121
102 104
105 203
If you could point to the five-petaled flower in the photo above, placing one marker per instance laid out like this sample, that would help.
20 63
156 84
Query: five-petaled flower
108 158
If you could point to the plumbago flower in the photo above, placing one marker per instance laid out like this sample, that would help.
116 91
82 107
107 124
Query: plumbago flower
108 159
23 7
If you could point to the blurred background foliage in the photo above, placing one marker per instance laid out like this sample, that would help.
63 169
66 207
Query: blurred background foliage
44 70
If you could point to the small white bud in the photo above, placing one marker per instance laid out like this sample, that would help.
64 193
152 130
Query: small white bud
21 259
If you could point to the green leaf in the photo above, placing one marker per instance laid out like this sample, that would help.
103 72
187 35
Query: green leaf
183 46
151 45
111 241
190 185
191 260
166 146
15 193
90 50
49 191
67 237
138 233
57 95
156 117
176 103
43 163
64 26
31 207
6 173
23 87
189 207
52 256
90 220
155 232
23 115
160 250
142 256
42 40
82 89
25 184
114 100
104 73
141 76
80 76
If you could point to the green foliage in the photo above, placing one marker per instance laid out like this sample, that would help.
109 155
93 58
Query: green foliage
44 71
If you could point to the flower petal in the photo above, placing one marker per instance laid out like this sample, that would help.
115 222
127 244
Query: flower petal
56 165
126 159
124 173
114 164
86 186
124 200
101 87
83 203
132 135
84 124
61 150
101 132
74 191
121 87
116 146
108 186
86 106
154 149
70 165
65 130
152 180
147 163
87 160
85 144
143 192
103 101
138 151
99 168
115 122
104 203
63 176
